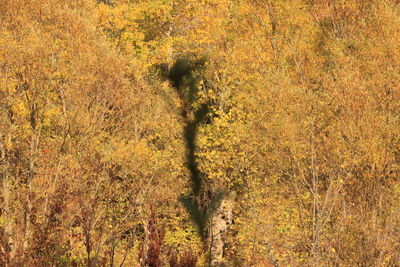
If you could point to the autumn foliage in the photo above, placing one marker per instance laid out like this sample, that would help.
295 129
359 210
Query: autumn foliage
295 113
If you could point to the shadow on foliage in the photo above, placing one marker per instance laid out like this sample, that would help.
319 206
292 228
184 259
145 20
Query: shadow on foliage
200 209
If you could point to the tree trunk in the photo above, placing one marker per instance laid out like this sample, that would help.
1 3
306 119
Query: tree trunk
221 221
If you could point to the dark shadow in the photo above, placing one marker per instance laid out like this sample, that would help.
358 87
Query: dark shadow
200 209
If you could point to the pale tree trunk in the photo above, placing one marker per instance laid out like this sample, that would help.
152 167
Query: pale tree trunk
6 209
145 246
34 145
28 211
7 238
8 247
221 221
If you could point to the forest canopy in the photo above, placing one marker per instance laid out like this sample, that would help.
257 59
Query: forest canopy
190 133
